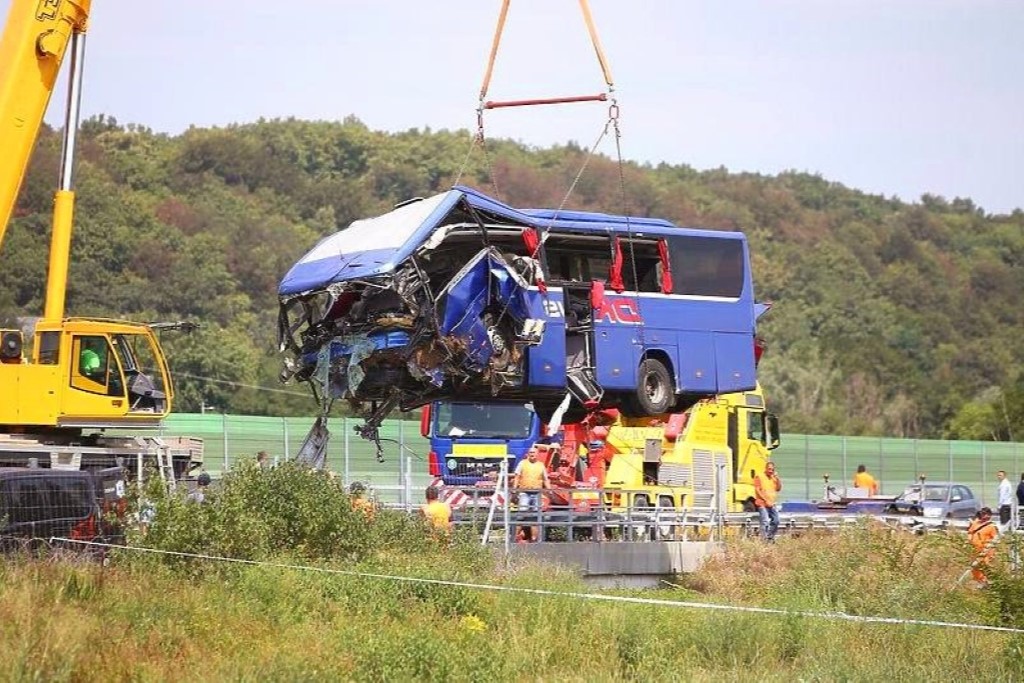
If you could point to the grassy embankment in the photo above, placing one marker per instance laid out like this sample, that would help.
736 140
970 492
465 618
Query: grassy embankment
152 618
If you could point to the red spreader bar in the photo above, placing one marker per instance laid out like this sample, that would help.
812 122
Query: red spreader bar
603 97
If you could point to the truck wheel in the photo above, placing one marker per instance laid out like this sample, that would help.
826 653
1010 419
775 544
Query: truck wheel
640 530
666 529
655 391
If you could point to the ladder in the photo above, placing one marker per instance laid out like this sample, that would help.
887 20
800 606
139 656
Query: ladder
500 486
165 465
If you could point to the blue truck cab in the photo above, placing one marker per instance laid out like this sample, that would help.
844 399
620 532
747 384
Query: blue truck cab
468 440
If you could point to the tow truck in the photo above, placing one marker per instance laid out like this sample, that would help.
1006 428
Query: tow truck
706 455
78 376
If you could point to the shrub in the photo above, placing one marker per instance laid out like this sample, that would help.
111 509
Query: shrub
292 514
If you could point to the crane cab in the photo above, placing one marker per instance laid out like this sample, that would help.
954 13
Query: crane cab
84 374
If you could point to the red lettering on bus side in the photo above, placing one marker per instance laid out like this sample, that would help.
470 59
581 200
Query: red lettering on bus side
628 312
619 311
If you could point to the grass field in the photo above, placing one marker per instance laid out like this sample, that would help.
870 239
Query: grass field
148 617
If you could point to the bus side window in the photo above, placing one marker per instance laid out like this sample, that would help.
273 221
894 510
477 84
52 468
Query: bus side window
707 266
641 271
576 258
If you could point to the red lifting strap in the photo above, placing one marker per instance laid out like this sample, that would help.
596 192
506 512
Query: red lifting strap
615 276
531 238
596 294
666 268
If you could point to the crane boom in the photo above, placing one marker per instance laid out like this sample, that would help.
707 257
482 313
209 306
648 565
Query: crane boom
79 375
32 49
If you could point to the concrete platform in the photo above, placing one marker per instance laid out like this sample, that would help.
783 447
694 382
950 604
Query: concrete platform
623 564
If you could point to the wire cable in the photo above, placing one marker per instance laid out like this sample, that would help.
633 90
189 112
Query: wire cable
660 602
241 385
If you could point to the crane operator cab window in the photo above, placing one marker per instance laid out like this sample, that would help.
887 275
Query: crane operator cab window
96 370
143 372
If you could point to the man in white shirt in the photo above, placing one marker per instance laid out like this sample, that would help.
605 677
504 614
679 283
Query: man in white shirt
1005 500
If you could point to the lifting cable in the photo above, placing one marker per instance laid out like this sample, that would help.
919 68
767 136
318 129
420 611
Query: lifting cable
484 104
612 122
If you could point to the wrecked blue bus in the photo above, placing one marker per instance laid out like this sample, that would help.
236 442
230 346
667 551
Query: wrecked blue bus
460 297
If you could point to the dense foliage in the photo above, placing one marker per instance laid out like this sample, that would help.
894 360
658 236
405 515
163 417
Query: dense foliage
891 318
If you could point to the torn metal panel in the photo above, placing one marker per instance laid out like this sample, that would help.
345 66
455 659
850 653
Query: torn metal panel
476 303
313 452
392 331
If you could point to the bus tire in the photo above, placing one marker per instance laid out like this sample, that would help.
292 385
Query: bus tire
655 391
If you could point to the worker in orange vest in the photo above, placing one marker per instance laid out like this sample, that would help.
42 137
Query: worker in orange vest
864 480
357 490
438 513
982 534
531 478
766 492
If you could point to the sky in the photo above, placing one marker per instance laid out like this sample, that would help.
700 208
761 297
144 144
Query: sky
891 97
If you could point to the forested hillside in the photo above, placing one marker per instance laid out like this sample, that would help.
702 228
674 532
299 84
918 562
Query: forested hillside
890 318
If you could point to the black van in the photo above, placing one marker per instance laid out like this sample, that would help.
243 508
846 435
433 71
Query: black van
82 505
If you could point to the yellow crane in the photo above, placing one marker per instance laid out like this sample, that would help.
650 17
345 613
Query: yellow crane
78 374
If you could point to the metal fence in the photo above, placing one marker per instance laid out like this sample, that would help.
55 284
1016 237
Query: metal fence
802 459
230 439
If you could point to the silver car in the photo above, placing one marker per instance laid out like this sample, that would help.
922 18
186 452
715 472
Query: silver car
936 500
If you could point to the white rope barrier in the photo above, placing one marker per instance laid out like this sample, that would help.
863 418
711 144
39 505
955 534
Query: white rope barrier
684 604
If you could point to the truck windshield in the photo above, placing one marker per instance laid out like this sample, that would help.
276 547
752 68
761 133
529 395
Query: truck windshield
483 420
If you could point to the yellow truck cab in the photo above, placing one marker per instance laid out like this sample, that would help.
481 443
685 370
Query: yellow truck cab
681 461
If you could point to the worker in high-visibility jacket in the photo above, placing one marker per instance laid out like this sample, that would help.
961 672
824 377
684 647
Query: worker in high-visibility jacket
357 491
864 480
530 482
766 493
438 513
982 534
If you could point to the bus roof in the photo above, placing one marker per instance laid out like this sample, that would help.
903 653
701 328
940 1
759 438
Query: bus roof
375 246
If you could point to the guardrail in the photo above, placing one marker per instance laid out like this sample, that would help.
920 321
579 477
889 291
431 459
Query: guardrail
492 511
605 524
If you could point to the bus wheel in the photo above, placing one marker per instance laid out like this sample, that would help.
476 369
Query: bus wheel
655 392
